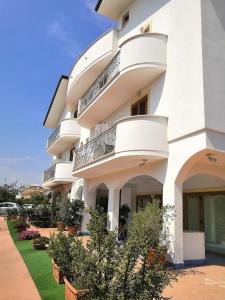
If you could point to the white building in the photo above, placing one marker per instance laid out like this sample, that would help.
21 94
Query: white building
151 107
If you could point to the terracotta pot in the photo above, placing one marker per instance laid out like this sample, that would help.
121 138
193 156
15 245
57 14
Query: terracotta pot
60 226
71 293
72 230
152 254
40 246
57 274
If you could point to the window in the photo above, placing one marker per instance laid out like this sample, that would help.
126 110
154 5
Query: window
140 107
125 19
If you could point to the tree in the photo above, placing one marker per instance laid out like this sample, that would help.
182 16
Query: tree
8 192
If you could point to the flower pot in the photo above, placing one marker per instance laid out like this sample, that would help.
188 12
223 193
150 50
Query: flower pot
152 254
39 246
71 293
60 226
57 274
72 230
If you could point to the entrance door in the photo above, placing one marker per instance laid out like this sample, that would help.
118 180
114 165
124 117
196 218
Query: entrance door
193 212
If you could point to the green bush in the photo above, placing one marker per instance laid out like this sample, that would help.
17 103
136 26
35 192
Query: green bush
114 271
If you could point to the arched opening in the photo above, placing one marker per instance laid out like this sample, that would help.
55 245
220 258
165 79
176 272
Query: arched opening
102 196
204 210
134 195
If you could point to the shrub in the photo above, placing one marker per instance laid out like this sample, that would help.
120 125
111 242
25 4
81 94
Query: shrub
28 235
111 271
41 216
60 250
70 212
21 226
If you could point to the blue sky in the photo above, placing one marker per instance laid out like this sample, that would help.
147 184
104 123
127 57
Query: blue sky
39 41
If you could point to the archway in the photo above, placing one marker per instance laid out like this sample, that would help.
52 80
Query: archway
102 196
134 195
204 210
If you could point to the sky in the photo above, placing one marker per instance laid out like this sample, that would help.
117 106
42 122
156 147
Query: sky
39 41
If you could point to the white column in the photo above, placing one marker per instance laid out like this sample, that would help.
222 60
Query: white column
113 209
172 195
89 198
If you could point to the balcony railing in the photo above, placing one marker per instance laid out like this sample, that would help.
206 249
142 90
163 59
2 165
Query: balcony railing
49 173
107 75
97 148
53 136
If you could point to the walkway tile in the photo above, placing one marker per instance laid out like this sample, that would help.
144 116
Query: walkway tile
15 280
200 283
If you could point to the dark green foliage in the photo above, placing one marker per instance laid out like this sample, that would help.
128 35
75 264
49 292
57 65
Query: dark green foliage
41 216
8 193
69 213
124 272
60 250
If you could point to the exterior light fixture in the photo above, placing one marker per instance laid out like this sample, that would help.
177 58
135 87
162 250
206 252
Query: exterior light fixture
211 157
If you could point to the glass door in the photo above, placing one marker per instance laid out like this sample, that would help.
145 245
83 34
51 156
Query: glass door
193 212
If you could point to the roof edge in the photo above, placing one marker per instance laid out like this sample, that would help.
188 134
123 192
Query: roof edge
98 5
53 98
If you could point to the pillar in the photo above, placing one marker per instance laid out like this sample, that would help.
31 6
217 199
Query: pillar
113 208
173 195
89 198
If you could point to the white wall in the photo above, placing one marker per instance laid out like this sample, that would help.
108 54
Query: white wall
213 39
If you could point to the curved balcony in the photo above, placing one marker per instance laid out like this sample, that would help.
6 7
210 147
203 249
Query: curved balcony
67 133
132 141
90 65
59 173
141 60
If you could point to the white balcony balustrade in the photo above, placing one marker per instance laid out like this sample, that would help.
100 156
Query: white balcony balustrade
67 133
128 143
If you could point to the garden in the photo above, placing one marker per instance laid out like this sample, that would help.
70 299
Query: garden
63 267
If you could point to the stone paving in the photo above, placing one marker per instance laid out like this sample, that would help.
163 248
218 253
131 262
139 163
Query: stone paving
15 280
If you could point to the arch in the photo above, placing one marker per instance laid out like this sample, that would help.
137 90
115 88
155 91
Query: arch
129 177
199 163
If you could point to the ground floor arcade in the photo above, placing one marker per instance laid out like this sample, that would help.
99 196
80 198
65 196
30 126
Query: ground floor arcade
192 180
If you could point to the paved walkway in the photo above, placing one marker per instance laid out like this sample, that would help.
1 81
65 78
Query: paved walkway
201 283
15 280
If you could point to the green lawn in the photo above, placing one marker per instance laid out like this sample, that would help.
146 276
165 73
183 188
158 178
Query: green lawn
39 265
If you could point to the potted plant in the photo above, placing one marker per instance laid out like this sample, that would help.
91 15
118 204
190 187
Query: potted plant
60 251
60 215
40 243
73 216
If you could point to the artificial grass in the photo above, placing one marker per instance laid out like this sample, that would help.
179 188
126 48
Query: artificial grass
39 265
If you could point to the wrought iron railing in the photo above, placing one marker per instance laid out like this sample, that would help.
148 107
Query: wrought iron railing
106 76
97 148
49 173
53 136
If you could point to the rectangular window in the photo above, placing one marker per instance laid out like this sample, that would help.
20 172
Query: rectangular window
140 107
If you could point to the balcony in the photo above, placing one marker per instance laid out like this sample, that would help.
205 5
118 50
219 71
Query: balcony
131 141
66 134
142 58
90 65
59 173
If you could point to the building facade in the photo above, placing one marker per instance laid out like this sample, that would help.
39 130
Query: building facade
151 104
